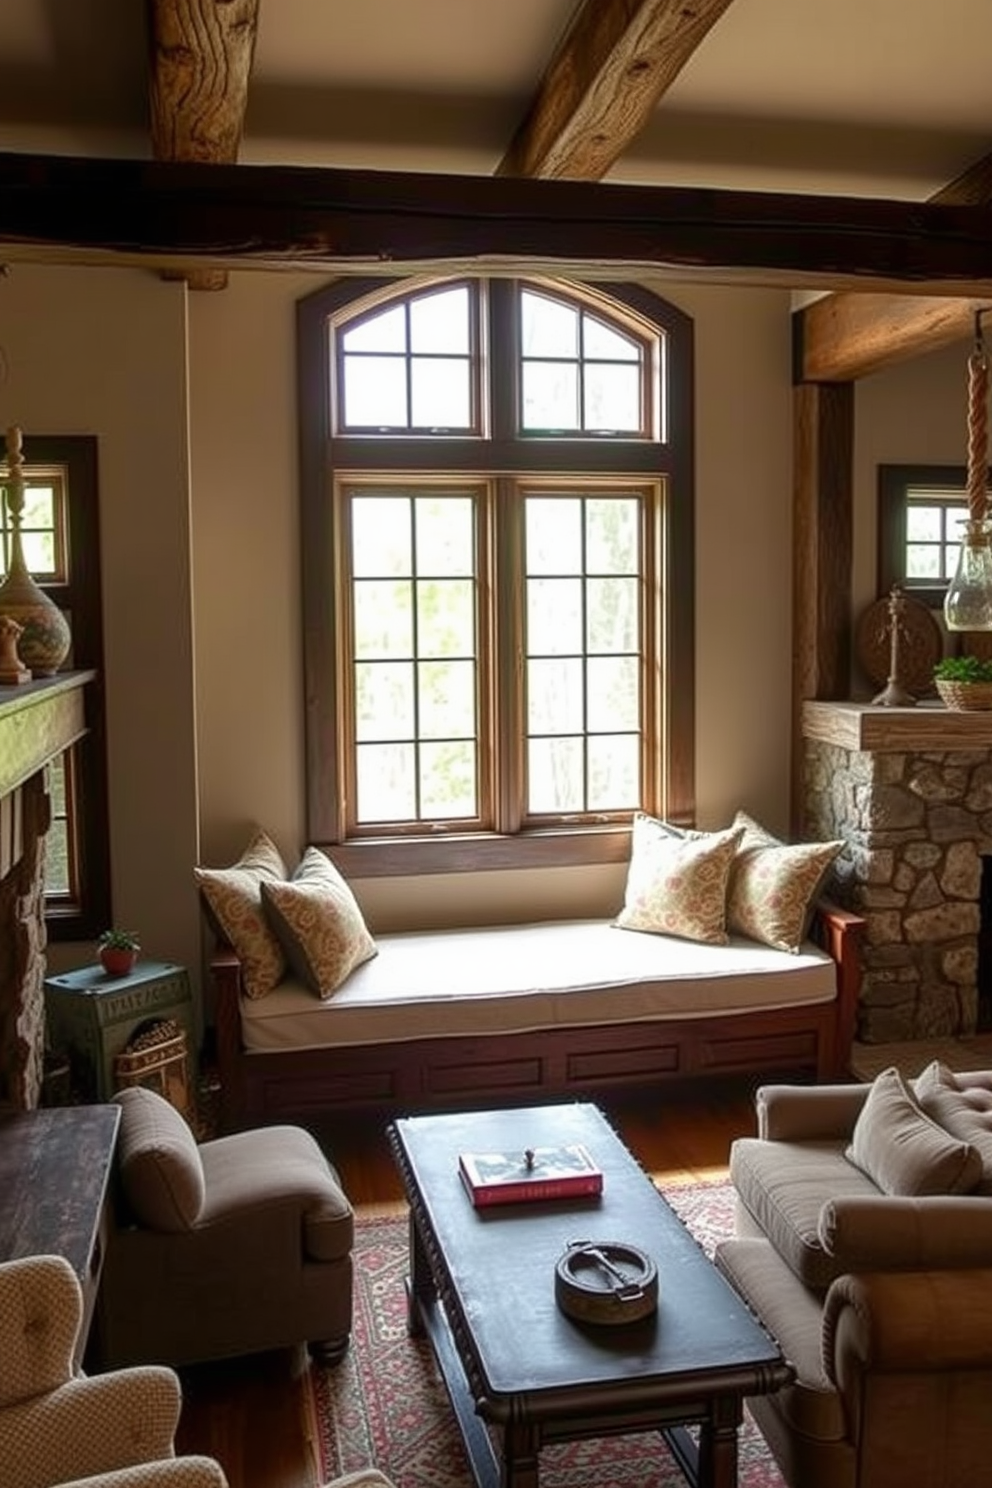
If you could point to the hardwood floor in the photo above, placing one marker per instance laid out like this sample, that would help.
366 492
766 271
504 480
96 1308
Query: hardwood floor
249 1414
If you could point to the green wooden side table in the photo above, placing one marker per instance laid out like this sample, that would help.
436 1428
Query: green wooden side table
92 1016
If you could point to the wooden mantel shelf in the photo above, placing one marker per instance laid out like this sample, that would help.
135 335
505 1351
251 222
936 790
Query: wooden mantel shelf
866 726
37 722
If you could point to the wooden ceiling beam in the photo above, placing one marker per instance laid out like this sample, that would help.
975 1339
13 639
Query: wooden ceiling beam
847 335
603 82
308 216
200 60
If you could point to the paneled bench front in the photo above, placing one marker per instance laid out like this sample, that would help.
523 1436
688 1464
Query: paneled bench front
519 1013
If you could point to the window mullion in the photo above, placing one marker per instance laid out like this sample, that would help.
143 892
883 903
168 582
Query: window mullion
508 597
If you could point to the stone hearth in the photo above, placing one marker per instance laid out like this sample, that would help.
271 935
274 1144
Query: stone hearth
909 790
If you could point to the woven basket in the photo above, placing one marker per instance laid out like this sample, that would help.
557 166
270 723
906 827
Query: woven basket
964 696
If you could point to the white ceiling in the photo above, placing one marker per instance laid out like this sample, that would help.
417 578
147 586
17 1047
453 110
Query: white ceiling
865 97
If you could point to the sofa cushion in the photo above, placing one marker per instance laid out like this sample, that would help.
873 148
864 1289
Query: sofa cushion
774 885
158 1161
678 885
318 923
233 899
793 1315
962 1105
783 1186
903 1151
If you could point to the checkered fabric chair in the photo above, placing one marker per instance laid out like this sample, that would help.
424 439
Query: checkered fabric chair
60 1429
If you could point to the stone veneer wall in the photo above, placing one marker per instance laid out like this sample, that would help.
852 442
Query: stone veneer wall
22 956
915 825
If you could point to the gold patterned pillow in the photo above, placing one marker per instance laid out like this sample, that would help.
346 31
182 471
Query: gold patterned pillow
774 885
233 897
318 923
678 885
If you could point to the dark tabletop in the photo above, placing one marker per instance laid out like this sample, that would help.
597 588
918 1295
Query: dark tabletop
496 1266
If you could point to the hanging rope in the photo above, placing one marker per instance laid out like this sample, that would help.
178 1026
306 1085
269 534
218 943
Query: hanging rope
978 425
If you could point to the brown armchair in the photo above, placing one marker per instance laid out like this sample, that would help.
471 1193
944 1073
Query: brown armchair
237 1245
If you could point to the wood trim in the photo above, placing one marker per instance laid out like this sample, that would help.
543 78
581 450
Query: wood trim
179 214
603 82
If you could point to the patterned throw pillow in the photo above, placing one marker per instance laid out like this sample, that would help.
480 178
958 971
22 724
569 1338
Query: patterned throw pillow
774 885
233 897
678 885
318 924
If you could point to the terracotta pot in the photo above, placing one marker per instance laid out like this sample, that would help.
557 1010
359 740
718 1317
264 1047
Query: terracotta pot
116 960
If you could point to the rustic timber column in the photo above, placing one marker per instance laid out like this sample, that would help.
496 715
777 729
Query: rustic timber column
822 542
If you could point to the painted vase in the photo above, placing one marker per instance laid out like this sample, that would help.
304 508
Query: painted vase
45 638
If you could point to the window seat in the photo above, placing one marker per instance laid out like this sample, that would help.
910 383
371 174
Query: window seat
518 1012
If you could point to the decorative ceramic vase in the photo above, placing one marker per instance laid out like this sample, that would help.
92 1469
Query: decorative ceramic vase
44 641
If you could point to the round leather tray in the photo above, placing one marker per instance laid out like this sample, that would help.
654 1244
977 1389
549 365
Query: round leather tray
606 1281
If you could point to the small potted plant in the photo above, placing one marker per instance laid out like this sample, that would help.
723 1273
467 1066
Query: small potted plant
118 951
964 682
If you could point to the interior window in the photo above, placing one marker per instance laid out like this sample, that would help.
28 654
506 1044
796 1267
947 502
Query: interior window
497 529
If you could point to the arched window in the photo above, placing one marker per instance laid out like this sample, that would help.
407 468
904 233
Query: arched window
498 570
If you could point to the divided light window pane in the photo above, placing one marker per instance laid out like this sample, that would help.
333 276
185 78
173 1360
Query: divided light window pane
410 367
577 373
414 621
583 641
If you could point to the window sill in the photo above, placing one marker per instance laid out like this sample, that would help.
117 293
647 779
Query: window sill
481 853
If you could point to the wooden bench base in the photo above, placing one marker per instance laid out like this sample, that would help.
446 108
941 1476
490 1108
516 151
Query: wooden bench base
561 1062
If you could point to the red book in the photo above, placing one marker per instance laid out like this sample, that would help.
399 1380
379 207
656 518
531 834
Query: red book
537 1173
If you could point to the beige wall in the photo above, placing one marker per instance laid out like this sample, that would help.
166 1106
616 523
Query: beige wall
204 503
103 351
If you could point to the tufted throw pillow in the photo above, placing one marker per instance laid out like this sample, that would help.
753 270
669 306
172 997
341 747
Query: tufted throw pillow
159 1162
774 885
233 898
903 1151
318 923
678 885
962 1105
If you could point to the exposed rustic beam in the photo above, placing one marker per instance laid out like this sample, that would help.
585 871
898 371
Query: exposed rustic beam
200 58
822 548
97 210
849 335
616 60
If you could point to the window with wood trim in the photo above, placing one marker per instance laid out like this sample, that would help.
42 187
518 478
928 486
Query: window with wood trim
498 570
61 542
921 509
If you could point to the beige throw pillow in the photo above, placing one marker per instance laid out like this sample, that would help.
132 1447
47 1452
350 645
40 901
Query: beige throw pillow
903 1151
318 923
963 1107
233 897
774 885
677 885
159 1162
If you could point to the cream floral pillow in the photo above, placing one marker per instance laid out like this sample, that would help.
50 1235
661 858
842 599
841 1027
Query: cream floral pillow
774 885
233 898
318 923
678 885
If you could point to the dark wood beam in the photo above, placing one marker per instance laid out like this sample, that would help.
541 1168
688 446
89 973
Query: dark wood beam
849 335
97 211
200 59
614 63
822 547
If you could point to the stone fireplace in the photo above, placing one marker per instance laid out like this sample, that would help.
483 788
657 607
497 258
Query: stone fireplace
909 790
38 720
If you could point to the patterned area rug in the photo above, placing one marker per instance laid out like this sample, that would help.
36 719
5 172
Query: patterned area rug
385 1405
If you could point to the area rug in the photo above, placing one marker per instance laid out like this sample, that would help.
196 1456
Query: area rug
386 1405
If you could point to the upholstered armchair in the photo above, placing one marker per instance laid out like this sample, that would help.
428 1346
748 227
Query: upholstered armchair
230 1247
58 1428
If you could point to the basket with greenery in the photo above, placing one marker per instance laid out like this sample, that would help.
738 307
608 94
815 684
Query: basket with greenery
964 682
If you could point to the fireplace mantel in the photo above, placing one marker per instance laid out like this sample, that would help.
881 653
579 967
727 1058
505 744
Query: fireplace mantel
39 720
869 727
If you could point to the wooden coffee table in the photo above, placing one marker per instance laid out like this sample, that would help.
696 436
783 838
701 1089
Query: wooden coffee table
481 1285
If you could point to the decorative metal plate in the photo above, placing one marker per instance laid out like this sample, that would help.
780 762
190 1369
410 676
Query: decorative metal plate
606 1281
